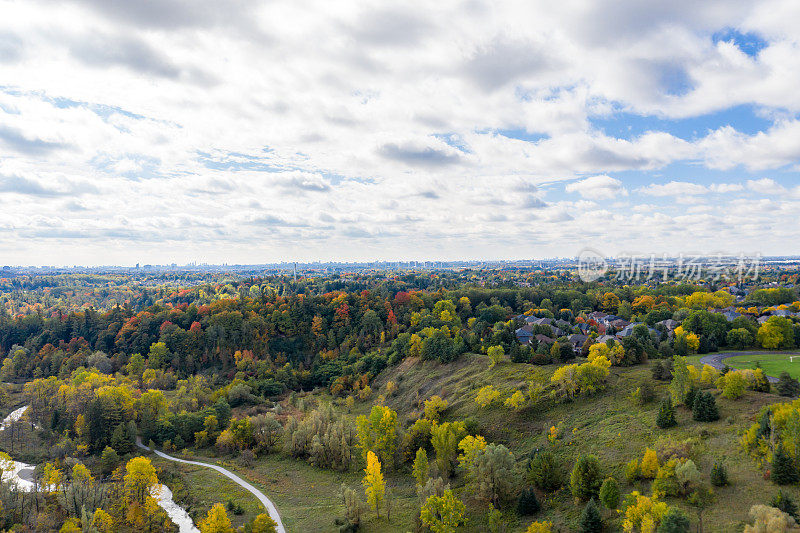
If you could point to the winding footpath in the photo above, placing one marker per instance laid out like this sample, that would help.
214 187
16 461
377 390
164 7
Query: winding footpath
266 502
716 360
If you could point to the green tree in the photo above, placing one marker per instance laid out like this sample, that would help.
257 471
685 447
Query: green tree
704 408
674 521
681 380
591 521
609 493
545 472
666 414
528 504
784 469
586 478
445 438
109 460
442 514
493 473
739 338
420 468
719 475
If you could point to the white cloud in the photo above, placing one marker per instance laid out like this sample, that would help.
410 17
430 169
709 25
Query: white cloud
356 130
598 188
726 187
765 186
674 188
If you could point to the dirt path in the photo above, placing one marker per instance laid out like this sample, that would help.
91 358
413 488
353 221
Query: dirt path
266 502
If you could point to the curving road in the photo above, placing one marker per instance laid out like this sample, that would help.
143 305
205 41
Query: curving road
716 360
266 502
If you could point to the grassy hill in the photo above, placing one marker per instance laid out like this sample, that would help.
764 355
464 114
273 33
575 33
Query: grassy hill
609 424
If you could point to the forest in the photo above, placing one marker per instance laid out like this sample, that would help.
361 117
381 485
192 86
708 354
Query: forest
322 372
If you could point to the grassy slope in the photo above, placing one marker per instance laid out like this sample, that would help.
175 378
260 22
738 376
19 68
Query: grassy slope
608 425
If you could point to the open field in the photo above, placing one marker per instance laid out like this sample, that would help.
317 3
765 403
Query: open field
772 363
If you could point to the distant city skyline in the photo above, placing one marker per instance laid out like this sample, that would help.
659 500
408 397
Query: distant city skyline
248 132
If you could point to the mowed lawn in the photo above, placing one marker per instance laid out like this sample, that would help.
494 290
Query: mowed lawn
772 363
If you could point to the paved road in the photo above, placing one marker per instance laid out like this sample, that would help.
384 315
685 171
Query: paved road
273 511
716 360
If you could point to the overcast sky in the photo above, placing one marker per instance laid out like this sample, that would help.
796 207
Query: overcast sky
242 131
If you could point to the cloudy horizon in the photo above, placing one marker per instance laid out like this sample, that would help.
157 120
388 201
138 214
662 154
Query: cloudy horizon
251 132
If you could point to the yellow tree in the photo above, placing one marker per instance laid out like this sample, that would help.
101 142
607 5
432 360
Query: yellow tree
263 523
374 486
102 522
487 395
470 447
140 479
442 514
434 407
378 432
216 521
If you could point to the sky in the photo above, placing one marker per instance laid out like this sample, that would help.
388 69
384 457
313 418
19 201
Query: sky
243 131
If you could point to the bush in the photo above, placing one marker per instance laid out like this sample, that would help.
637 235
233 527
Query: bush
609 493
704 407
787 385
786 504
674 521
666 414
528 504
661 372
719 475
545 473
591 521
585 479
632 471
646 393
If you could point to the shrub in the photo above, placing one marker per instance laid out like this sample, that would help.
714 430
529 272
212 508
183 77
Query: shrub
787 385
646 393
675 521
585 479
719 475
528 504
666 414
609 493
545 473
591 521
632 471
785 503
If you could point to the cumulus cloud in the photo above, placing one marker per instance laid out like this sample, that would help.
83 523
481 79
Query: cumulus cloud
418 130
598 188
